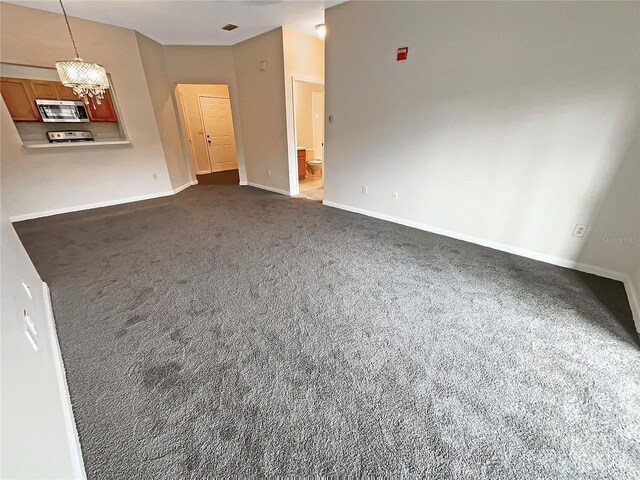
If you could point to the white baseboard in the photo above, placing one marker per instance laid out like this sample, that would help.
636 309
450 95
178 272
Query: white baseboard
182 187
634 302
271 189
561 262
70 425
89 206
243 182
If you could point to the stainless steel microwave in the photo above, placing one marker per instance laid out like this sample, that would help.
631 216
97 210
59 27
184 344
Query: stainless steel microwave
62 111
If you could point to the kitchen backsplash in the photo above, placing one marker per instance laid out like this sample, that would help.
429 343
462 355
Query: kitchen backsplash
37 131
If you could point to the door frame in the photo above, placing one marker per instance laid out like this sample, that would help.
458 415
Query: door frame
293 160
204 131
187 133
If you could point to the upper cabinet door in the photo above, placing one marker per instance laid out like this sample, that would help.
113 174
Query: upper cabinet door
19 99
65 93
44 90
105 112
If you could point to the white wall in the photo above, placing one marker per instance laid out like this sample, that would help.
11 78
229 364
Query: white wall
261 97
304 60
45 180
35 438
155 69
510 123
35 73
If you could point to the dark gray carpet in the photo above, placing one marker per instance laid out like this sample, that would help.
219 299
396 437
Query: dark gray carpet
230 331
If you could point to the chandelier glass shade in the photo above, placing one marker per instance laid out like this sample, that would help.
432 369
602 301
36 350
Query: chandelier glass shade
88 80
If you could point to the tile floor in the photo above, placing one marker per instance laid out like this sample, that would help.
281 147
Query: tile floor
312 188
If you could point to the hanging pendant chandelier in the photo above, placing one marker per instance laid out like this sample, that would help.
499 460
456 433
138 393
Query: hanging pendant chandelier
88 80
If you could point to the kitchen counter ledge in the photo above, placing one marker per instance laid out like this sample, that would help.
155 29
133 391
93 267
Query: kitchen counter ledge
30 146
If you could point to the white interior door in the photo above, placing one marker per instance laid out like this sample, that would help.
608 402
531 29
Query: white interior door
317 113
218 133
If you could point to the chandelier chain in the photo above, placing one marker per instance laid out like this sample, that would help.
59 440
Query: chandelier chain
66 19
87 79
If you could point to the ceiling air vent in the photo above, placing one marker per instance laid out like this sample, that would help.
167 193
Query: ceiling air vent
229 26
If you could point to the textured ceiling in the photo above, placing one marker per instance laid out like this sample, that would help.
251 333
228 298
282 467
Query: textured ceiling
195 22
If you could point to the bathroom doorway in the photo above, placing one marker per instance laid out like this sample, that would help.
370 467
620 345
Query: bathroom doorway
308 101
207 128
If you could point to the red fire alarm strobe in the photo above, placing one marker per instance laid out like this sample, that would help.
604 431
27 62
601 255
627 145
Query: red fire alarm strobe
402 54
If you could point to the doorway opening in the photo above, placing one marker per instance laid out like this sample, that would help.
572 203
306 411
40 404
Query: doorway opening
308 101
207 129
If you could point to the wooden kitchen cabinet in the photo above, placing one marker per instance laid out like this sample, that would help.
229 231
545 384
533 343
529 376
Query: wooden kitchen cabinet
105 112
18 96
65 93
44 89
51 90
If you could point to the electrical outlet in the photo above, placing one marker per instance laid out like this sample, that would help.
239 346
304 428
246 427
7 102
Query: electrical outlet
365 189
155 177
580 230
394 195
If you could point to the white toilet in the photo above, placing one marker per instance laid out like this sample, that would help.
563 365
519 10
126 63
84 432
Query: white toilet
314 167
